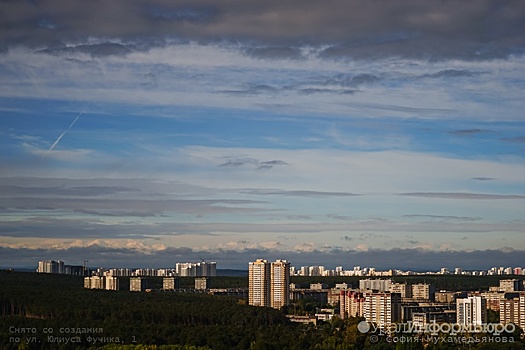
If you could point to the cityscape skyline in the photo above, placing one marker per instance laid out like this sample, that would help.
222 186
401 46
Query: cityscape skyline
386 135
209 269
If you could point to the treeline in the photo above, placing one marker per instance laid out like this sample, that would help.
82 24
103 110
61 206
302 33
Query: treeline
59 303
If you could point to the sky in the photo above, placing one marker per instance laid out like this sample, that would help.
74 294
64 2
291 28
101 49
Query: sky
338 133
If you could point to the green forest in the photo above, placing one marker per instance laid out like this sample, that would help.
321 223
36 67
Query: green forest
48 311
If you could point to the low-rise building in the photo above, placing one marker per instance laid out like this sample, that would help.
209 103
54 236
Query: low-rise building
202 283
318 286
170 283
112 283
138 284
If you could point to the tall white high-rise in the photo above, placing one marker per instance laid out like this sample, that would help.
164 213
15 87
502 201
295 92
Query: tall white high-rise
471 310
269 283
259 283
51 266
279 284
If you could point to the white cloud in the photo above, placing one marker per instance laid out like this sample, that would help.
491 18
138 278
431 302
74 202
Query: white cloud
65 244
194 75
357 172
361 247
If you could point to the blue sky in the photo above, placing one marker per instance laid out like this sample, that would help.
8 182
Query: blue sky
143 133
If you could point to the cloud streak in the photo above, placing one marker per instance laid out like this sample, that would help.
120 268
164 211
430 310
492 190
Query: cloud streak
470 196
65 131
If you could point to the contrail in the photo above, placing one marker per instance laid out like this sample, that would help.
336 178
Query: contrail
65 131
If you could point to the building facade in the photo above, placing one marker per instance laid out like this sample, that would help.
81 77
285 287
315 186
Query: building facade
200 269
95 282
471 310
269 283
138 284
379 285
202 283
50 266
401 288
170 283
382 308
513 311
259 283
351 303
279 284
423 291
510 285
112 283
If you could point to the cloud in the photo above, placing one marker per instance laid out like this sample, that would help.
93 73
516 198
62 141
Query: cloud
473 196
468 132
406 28
305 247
270 164
238 162
349 80
89 191
299 193
220 75
137 253
251 90
443 217
275 52
340 217
483 178
94 50
450 73
517 139
69 155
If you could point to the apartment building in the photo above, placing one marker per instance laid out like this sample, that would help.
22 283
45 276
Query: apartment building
259 283
471 310
279 284
351 303
170 283
423 291
382 308
401 288
375 284
513 311
269 283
